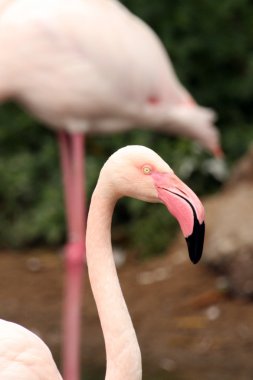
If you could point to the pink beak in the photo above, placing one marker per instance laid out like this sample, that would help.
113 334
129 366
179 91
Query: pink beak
186 207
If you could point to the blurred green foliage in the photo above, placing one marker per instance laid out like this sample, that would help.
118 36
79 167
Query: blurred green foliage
211 46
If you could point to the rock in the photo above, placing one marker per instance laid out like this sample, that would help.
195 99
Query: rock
229 221
243 171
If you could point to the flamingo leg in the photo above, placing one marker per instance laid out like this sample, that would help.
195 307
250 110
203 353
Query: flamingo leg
72 153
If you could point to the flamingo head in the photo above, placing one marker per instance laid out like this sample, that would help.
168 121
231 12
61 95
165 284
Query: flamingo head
139 172
197 123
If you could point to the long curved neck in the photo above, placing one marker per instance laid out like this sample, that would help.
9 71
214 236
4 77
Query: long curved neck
122 349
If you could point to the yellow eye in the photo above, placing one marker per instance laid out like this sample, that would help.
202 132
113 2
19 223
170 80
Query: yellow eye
147 170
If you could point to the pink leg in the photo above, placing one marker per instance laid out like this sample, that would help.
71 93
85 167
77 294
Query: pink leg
72 154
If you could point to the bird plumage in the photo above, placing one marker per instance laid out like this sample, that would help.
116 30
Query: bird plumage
138 172
91 65
24 356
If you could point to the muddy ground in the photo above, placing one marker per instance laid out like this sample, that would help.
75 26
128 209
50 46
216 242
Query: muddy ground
187 326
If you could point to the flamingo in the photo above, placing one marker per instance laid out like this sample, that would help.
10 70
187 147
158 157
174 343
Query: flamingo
133 171
138 172
86 66
24 356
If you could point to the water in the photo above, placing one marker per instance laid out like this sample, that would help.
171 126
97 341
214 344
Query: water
100 375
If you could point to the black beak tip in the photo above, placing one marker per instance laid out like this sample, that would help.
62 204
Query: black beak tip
195 242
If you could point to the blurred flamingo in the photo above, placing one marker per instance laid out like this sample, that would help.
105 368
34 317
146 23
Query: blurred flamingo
133 171
85 66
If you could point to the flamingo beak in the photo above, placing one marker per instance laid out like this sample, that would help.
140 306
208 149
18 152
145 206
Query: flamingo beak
186 207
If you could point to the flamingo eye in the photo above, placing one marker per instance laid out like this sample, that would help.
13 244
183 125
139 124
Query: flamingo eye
147 169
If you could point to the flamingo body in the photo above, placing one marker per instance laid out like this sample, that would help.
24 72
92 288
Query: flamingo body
92 66
24 356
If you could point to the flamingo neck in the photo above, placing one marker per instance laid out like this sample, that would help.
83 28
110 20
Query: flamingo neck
122 349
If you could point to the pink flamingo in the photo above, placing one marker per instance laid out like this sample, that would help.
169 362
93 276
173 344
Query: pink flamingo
24 356
86 66
133 171
138 172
